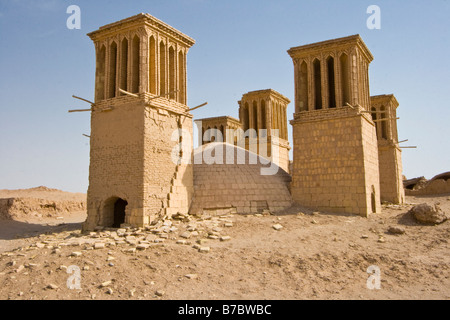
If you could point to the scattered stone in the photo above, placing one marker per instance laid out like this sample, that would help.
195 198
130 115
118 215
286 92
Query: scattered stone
191 276
204 249
185 235
109 291
159 293
381 240
364 236
429 214
52 286
76 254
40 245
183 242
99 245
228 225
277 227
225 238
105 284
20 268
132 250
396 230
167 223
213 237
142 246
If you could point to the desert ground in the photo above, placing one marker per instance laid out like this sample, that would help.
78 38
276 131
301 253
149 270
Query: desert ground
315 255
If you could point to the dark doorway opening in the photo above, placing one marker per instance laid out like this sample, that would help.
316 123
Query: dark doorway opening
119 213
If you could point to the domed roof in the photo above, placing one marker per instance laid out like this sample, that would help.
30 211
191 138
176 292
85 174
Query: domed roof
227 176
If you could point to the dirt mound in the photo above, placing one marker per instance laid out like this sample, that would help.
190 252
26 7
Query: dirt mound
42 188
39 202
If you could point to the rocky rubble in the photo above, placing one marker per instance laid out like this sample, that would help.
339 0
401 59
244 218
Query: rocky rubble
180 229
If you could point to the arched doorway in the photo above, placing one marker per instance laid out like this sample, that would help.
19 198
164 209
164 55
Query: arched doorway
119 213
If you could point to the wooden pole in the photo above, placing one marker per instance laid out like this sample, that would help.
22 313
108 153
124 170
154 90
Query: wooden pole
386 119
348 104
197 107
129 93
80 110
163 95
90 102
408 147
403 141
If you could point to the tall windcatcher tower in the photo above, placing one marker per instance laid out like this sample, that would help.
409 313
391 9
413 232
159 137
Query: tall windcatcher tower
335 143
140 102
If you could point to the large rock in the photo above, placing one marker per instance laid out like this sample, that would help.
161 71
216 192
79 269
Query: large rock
429 214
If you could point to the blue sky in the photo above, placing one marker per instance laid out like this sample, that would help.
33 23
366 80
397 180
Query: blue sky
240 46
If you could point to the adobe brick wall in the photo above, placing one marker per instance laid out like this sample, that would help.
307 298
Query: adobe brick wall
239 186
131 159
335 161
391 181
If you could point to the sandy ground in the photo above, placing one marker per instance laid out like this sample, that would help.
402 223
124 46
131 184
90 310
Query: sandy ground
314 256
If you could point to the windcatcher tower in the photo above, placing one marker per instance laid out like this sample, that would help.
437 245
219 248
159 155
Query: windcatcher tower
134 176
384 114
263 112
335 144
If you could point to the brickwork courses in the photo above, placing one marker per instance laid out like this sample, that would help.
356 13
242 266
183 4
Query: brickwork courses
227 178
335 147
384 111
342 154
132 177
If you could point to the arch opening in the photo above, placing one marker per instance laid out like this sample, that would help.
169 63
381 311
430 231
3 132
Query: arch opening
317 85
135 65
119 212
331 83
124 66
345 80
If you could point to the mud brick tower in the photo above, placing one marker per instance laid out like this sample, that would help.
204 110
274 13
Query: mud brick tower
228 128
335 144
133 177
384 114
266 110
